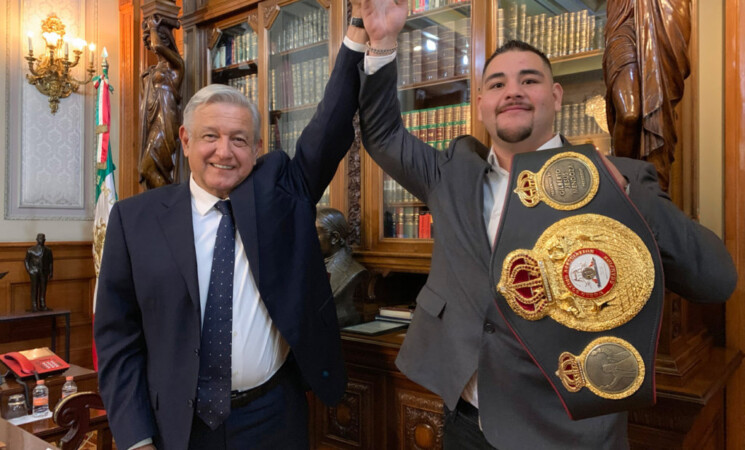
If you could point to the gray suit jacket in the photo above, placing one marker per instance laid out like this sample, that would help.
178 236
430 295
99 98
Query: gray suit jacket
457 329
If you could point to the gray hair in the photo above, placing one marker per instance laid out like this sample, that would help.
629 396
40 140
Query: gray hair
221 93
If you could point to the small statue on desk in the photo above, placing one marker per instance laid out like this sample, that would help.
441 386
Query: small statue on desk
39 267
345 273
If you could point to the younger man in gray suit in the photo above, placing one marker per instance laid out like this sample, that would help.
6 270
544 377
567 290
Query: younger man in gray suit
493 392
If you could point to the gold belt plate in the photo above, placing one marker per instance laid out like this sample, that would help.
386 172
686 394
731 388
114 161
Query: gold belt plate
609 367
567 181
588 272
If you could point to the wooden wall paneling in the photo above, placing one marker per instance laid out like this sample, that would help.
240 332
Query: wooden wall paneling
734 206
130 48
71 287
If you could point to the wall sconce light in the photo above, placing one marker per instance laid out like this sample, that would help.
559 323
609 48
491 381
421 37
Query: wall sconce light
50 73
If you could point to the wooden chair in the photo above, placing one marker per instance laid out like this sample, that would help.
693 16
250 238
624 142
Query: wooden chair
73 412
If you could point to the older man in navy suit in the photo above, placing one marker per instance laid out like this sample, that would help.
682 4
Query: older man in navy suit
208 337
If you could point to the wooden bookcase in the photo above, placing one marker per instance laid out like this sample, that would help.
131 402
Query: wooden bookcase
691 370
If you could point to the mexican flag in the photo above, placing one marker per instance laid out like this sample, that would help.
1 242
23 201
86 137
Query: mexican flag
105 188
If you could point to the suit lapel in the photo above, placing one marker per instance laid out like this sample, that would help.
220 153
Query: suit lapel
243 200
180 238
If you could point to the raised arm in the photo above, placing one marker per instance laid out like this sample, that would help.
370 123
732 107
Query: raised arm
408 160
330 133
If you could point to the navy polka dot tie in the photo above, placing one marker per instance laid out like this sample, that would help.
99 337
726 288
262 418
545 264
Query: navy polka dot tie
213 386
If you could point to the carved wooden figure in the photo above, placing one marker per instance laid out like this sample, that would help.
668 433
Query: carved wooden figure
160 104
645 64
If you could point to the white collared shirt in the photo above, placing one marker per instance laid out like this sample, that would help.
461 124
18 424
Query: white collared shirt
259 350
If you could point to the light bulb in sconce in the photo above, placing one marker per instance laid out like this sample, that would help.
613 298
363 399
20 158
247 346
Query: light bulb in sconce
30 36
49 72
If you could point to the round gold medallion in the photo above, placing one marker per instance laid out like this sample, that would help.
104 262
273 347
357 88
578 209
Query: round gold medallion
610 367
567 181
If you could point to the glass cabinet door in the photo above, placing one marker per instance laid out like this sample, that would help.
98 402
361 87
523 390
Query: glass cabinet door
297 71
434 80
298 68
233 59
573 39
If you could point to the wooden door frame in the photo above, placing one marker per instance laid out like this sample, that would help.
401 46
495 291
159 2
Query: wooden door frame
734 206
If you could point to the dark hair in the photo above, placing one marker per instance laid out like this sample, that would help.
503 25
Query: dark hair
517 46
333 220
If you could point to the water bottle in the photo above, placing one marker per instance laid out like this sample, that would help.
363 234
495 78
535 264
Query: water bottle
41 399
69 387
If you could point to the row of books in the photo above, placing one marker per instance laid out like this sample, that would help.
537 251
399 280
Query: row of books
438 126
435 52
296 32
248 85
421 6
411 222
573 120
287 130
396 313
299 83
560 35
439 114
236 49
395 193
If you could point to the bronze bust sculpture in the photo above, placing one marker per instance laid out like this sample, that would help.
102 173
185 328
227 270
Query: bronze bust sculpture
645 64
160 99
39 265
345 274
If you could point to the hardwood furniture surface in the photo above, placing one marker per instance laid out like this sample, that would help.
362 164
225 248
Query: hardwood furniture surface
383 409
86 380
53 314
70 289
14 437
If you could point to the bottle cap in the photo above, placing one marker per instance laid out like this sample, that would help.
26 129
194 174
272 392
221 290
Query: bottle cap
39 381
68 378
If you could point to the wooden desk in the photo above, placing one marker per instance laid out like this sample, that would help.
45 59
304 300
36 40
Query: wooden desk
86 379
17 438
19 316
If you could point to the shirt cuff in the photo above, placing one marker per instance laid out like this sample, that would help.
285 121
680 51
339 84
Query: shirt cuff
374 63
355 46
142 443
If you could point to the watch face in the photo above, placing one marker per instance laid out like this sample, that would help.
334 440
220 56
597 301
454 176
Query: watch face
357 22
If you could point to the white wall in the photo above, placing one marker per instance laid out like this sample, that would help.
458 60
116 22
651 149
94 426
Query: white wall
50 157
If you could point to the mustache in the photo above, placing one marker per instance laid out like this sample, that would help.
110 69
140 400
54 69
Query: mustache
527 106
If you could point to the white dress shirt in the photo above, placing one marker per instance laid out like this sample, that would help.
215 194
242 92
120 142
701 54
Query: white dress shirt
259 350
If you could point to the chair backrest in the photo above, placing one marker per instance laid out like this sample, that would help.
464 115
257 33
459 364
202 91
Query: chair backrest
74 412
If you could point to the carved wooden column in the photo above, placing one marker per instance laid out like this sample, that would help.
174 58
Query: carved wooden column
130 46
734 199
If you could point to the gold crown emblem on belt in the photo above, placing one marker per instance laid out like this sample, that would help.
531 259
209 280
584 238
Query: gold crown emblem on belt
566 182
588 272
609 366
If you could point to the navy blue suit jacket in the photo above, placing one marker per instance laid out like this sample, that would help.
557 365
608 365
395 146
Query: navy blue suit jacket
147 325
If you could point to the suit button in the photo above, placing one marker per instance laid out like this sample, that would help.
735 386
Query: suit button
190 403
489 327
196 351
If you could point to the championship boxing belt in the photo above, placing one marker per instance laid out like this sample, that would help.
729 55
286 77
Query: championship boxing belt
577 276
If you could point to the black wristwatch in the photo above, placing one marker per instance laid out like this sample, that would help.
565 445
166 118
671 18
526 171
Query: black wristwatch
357 22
